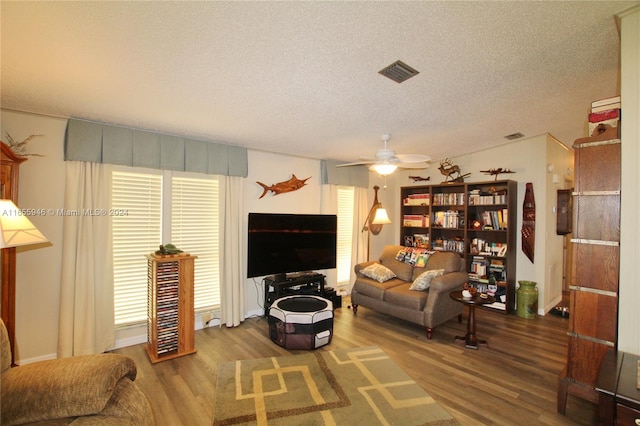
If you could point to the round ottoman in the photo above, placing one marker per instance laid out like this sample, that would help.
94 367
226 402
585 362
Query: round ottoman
301 322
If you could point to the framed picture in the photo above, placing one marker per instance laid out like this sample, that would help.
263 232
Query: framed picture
564 211
408 241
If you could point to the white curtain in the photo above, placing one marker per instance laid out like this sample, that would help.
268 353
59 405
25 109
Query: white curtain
232 283
86 293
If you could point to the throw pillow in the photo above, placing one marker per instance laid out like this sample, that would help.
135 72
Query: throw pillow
378 272
424 279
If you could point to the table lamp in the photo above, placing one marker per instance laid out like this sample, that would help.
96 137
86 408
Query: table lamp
15 230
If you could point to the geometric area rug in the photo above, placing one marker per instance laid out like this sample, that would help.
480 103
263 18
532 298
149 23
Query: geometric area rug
343 387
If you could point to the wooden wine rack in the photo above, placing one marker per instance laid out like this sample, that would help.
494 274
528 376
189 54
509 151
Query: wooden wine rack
170 319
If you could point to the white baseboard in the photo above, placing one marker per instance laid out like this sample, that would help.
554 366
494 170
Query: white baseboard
36 359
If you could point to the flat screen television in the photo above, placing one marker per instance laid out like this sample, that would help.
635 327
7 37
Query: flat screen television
280 243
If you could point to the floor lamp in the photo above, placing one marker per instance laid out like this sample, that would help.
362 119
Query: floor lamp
15 230
377 216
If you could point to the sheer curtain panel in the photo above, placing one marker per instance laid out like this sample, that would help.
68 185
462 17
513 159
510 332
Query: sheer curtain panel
232 285
86 294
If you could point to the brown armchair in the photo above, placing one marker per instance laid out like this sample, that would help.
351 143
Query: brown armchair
80 390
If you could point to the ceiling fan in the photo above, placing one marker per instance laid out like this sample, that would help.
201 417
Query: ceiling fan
387 161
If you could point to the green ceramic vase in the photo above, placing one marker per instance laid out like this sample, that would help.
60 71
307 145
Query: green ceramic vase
527 300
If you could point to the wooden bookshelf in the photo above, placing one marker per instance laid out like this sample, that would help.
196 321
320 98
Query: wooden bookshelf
476 220
171 316
593 325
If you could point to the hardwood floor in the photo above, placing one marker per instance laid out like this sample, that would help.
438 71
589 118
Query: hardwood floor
511 381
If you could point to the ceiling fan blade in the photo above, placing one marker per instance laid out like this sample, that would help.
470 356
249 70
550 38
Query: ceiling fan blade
389 157
412 158
418 165
358 163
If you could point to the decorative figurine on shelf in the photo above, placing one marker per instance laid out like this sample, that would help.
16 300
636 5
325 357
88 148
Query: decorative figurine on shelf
168 249
419 178
290 185
496 172
447 168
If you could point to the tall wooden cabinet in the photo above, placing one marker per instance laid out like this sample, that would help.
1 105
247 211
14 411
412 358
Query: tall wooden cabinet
476 220
171 316
596 263
9 191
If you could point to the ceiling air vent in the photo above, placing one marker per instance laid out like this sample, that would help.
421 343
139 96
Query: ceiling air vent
514 136
398 71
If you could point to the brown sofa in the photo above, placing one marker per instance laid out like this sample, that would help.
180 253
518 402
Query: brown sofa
80 390
428 308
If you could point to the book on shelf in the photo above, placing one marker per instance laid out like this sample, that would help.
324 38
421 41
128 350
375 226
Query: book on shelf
455 245
417 200
421 240
476 198
415 220
446 219
495 219
443 199
482 247
479 267
598 117
607 103
498 305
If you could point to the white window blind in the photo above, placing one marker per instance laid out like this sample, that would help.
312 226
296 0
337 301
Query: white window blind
195 224
135 235
345 196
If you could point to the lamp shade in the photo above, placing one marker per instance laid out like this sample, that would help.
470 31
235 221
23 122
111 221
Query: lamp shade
15 228
381 217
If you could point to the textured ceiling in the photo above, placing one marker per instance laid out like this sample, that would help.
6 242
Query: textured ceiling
302 77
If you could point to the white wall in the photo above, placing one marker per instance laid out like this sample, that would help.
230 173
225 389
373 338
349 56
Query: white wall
628 318
41 186
559 175
270 168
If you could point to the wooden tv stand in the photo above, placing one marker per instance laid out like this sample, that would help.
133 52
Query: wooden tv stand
276 287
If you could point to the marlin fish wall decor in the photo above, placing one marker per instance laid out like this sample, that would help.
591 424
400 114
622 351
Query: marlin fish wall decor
290 185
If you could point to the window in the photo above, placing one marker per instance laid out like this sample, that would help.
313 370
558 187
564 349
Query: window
345 196
195 225
163 207
134 235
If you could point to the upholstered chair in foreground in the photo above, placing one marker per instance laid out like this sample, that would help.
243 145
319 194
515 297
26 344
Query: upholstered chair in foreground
80 390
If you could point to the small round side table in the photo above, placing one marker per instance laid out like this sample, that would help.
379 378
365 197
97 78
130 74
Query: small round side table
471 340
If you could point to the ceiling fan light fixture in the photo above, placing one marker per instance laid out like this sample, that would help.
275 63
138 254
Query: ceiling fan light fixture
384 169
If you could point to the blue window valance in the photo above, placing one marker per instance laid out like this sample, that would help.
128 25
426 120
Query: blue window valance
349 176
102 143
